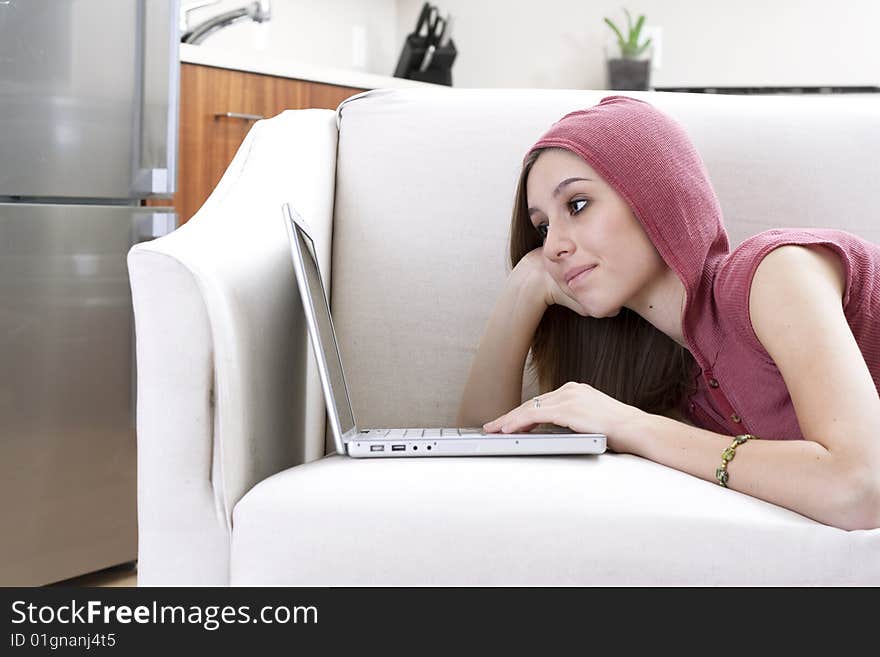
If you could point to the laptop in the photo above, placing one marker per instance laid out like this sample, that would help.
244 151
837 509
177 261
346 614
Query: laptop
400 442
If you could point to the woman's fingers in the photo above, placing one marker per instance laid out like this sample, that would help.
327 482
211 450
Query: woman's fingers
517 420
527 415
502 422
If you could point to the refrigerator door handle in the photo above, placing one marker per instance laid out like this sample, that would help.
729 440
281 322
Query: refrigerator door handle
154 166
150 225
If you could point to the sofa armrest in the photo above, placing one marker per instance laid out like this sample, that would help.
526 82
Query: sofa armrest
228 393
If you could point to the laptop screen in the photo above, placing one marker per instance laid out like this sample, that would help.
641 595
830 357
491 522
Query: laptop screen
326 333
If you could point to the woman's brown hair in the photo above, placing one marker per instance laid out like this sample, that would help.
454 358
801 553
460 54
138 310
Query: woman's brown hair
624 356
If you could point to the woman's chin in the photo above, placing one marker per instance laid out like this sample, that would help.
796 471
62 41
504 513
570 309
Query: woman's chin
605 312
594 309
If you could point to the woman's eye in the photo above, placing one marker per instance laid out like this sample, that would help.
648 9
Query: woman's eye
580 200
542 228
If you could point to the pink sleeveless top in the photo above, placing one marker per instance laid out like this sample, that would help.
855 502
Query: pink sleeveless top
740 389
648 158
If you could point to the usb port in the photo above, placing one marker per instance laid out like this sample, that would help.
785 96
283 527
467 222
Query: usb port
398 448
377 448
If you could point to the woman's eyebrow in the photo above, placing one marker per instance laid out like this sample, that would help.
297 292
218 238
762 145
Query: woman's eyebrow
559 187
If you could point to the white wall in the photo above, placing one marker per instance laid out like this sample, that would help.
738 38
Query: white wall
561 43
315 32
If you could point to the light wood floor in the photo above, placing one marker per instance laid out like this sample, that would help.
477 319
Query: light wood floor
122 575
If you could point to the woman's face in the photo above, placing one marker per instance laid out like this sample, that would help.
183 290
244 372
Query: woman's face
587 222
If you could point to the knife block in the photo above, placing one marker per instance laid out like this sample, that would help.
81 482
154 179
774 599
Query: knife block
439 71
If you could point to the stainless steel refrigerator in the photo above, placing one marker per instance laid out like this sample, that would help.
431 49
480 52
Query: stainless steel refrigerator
88 130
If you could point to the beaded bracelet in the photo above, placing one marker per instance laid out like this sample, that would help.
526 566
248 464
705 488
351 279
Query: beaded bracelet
727 456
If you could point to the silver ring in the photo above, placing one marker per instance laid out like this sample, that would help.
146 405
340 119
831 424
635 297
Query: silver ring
537 402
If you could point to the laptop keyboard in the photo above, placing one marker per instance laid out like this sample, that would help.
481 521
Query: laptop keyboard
420 433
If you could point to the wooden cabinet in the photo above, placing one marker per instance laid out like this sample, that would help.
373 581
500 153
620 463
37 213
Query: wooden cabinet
209 137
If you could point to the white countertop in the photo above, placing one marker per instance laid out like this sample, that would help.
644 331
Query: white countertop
256 62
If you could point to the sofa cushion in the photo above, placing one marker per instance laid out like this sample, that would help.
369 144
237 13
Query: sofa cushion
610 519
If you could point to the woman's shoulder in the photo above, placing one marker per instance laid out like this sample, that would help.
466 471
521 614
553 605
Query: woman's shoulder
735 274
837 251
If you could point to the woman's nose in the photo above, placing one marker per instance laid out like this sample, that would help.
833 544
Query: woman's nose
558 241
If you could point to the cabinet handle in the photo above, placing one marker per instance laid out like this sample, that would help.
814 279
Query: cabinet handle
239 115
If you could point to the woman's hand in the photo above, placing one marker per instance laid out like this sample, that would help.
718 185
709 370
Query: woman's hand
578 406
553 292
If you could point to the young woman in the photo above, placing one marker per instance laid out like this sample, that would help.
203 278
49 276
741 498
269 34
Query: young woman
645 326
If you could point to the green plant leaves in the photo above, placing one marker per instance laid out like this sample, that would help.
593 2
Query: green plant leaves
629 47
620 38
634 34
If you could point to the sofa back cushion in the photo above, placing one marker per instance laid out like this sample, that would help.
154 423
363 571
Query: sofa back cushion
424 193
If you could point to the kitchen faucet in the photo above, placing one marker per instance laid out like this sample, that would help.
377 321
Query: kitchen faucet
258 11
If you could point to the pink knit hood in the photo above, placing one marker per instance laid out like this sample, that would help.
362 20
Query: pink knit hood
647 157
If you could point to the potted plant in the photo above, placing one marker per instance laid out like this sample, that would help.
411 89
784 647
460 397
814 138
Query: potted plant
628 71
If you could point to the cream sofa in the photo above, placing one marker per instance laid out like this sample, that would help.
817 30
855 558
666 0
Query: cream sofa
409 193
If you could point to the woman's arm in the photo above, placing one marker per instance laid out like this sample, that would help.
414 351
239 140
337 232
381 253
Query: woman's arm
495 380
800 475
833 476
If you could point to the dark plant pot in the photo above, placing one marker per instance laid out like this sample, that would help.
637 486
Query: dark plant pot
630 74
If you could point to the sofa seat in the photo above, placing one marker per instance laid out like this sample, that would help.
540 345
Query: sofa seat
609 519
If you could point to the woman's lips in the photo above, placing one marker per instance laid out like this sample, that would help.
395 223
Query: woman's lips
581 276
